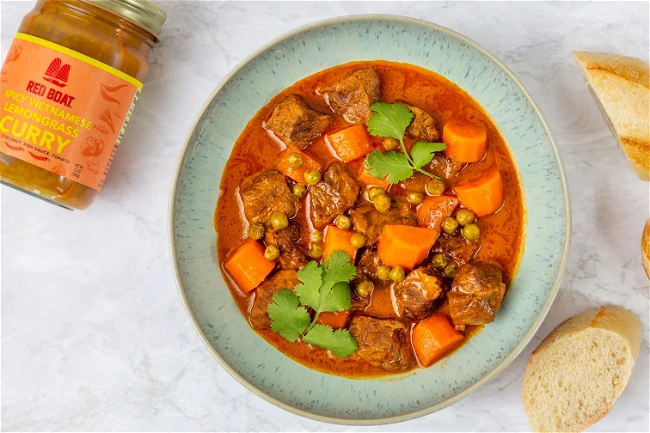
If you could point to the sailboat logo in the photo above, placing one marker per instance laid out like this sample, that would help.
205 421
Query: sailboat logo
57 73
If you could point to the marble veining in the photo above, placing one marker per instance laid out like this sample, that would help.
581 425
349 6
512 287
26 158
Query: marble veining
87 346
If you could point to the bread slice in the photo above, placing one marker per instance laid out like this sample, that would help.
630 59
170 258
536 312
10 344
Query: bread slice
645 248
575 375
621 86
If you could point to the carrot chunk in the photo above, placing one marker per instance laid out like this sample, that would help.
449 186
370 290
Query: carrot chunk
297 174
247 265
482 195
465 140
435 209
351 143
338 239
336 320
366 179
405 246
433 338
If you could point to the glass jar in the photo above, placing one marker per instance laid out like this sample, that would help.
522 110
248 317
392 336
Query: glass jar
69 85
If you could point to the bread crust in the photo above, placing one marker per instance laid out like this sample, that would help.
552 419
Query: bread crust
614 320
621 87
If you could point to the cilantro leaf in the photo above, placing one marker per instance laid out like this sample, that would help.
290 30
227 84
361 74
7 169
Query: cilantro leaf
389 120
422 152
392 120
289 319
311 278
340 342
336 299
323 288
338 269
394 166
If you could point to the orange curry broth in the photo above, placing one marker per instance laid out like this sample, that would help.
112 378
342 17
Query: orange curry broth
96 33
254 151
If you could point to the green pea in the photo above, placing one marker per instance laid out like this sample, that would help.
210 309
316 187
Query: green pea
343 222
464 217
317 236
436 187
383 272
294 160
390 143
299 190
471 232
364 288
397 274
449 225
375 192
279 221
382 203
451 270
312 176
271 252
440 261
414 197
256 231
358 240
316 251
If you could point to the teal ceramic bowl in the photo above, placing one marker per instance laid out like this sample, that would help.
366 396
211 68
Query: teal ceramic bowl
258 365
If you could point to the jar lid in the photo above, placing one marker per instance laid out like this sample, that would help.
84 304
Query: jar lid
144 13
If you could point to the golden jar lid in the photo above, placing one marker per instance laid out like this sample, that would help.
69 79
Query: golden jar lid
144 13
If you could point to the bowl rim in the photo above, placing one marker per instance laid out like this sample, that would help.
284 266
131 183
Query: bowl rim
470 389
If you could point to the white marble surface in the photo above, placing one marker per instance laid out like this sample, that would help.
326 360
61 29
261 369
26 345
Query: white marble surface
94 336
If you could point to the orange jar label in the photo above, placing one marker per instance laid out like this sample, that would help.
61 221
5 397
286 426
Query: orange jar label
63 111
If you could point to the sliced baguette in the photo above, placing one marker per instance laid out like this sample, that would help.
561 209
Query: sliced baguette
575 375
645 248
621 86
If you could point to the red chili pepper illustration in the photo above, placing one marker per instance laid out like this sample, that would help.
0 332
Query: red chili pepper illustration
108 98
104 90
114 88
9 146
39 157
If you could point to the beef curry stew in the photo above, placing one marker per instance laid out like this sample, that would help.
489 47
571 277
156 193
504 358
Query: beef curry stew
370 219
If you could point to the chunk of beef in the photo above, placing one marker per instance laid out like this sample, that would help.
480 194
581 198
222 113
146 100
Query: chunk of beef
293 122
417 183
335 194
423 126
264 297
382 304
291 256
359 303
265 194
441 166
369 221
416 296
476 293
444 308
444 168
383 342
352 96
367 266
456 247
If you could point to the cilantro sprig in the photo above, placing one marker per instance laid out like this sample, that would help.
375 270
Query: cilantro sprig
323 288
392 120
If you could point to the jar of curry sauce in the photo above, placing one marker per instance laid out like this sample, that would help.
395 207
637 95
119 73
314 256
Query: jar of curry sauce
69 86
